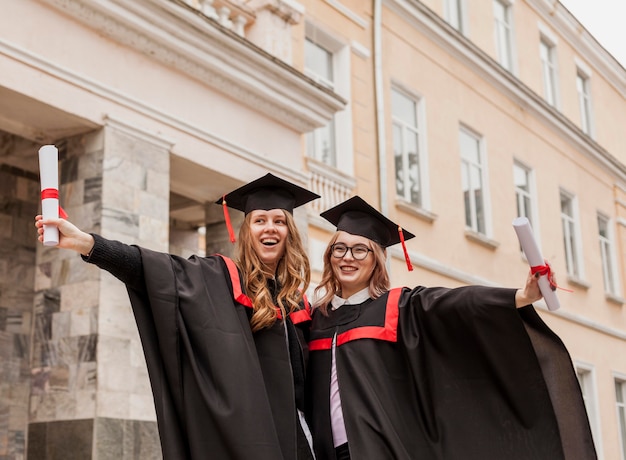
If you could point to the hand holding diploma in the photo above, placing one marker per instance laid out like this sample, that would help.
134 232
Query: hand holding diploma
536 261
70 236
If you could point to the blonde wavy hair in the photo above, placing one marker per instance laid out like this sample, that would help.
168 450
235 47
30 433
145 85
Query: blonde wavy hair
330 285
293 275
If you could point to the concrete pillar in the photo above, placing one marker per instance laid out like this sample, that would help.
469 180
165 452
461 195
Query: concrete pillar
91 397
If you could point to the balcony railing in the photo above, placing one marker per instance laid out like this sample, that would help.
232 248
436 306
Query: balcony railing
230 14
333 186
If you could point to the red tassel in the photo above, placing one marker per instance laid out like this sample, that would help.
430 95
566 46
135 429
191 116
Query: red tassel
409 266
229 226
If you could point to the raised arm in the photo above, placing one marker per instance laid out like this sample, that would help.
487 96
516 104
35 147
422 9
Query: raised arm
121 260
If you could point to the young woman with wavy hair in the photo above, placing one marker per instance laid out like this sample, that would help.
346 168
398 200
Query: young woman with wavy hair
224 340
292 274
470 373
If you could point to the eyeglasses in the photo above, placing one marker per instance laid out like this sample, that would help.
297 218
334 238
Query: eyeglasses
359 252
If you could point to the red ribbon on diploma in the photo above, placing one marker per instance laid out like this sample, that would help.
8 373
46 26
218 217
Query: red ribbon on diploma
546 270
53 193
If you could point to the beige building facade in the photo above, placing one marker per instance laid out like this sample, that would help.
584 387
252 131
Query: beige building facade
451 116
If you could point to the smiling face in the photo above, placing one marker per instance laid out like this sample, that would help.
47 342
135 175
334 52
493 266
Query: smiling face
269 233
352 274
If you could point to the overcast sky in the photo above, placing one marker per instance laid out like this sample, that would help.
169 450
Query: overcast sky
605 20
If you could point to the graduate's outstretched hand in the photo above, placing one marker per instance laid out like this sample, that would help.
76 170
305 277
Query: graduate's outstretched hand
530 293
70 236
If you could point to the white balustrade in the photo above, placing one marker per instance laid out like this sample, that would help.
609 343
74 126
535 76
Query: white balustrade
332 187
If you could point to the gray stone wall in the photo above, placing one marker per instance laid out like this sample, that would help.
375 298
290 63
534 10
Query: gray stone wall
90 389
19 194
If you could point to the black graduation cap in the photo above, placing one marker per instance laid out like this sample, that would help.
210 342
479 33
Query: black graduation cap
357 217
267 192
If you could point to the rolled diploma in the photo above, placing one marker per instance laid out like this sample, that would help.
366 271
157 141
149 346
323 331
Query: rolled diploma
49 173
533 255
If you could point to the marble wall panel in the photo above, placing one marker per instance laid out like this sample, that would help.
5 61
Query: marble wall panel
72 197
6 226
123 222
126 440
82 294
158 184
67 440
152 234
19 201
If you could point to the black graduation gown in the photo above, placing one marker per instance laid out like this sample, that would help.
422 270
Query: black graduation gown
220 391
435 373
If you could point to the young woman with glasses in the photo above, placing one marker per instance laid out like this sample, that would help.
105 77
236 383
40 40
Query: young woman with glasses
432 373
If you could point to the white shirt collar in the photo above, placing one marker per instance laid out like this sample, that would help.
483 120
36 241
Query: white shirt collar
354 299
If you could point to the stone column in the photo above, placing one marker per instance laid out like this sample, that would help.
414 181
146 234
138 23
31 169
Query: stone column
90 397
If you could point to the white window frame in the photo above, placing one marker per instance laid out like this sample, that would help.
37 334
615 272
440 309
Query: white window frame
583 89
455 13
503 31
608 256
341 55
530 194
549 69
586 375
422 154
572 244
620 408
467 166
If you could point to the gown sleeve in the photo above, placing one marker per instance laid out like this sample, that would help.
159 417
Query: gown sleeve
497 359
121 260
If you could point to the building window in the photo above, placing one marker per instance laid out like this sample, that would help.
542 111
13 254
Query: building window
455 14
473 182
319 66
587 388
523 193
584 101
608 255
547 54
409 161
570 235
504 33
620 398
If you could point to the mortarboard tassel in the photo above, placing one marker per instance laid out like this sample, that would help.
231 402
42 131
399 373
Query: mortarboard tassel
229 226
409 266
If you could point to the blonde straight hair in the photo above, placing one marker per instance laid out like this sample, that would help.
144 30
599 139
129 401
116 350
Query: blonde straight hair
330 285
293 275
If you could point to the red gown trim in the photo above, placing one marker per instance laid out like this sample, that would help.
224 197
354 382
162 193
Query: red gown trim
298 316
388 332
